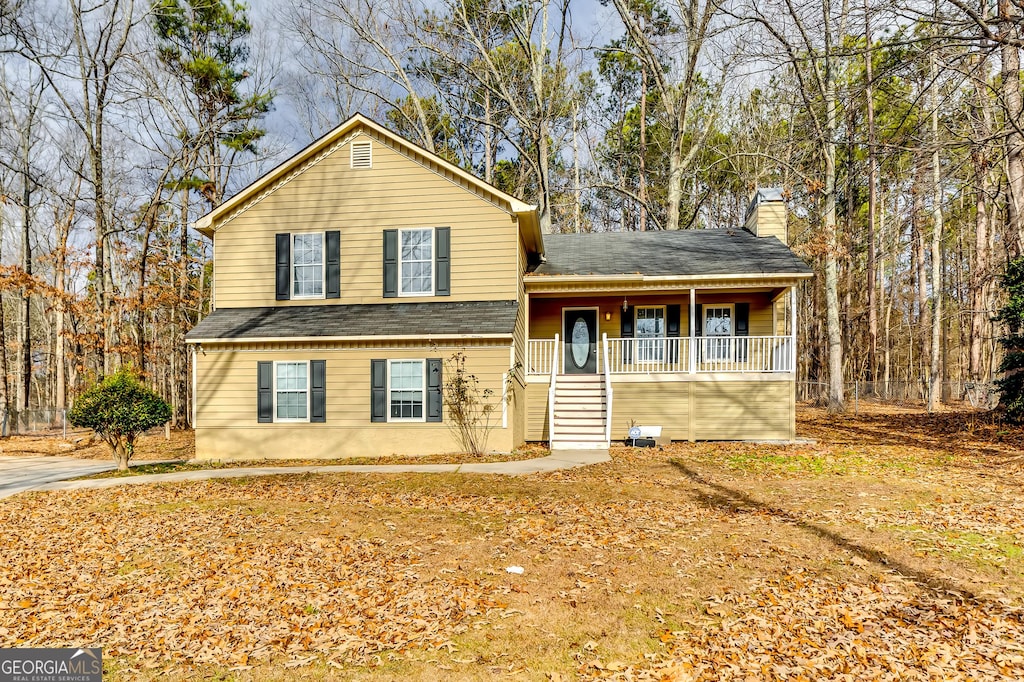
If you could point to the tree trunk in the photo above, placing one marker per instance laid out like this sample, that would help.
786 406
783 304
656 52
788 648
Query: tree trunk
1011 94
871 275
981 263
935 376
834 330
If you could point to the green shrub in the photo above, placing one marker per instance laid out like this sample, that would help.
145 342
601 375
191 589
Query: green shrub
1011 385
118 409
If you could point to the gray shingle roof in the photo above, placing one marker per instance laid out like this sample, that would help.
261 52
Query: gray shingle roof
680 252
395 319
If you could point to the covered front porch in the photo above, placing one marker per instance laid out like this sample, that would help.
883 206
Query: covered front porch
702 362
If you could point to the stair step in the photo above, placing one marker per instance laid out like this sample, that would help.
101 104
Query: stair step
581 378
579 422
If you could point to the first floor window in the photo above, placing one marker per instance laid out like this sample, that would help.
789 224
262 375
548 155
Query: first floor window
650 331
718 322
307 265
416 262
291 391
405 389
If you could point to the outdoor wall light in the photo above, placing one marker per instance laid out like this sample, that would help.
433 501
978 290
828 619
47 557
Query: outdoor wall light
607 316
625 304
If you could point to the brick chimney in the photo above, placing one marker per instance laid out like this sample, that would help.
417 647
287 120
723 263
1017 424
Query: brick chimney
766 214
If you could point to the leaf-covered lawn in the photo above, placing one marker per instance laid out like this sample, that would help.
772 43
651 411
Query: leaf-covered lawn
892 548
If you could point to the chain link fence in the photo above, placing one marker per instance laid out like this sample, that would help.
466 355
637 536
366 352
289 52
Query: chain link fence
45 422
982 395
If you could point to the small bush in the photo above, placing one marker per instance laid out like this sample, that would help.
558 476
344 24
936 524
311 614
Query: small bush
118 409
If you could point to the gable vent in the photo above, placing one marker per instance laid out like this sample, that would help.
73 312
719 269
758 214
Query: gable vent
362 155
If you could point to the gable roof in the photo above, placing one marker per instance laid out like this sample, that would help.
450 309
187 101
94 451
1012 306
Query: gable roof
676 253
526 213
414 320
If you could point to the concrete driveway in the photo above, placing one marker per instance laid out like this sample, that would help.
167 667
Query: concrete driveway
28 473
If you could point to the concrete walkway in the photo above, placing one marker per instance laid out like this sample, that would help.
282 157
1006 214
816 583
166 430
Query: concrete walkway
28 473
560 459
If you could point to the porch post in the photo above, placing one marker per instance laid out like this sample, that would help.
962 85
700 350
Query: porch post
692 346
792 329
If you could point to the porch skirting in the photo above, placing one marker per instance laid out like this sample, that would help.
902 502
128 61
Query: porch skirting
688 407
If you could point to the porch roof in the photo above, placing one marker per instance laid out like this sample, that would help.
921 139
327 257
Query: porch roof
421 320
678 253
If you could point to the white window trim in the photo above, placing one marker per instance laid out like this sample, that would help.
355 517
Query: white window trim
660 350
730 345
433 261
414 420
323 268
309 379
732 319
664 317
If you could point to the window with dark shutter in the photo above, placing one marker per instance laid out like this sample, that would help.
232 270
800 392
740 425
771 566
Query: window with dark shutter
264 392
378 390
333 270
434 395
443 262
283 262
318 391
390 263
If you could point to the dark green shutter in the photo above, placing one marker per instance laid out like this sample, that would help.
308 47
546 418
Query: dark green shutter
698 323
318 391
742 329
390 263
332 287
742 319
672 320
264 392
434 397
626 331
443 262
283 260
378 390
672 331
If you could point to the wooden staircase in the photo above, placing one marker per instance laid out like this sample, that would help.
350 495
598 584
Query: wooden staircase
580 411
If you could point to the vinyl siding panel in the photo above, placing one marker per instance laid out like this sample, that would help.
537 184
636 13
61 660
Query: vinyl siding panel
665 404
396 193
744 410
226 426
537 411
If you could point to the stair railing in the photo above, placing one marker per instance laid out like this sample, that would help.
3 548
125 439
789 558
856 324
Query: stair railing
607 393
551 394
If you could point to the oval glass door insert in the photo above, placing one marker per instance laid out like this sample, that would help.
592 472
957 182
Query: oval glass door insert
580 342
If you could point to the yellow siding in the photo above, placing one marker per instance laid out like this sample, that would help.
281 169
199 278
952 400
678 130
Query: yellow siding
665 404
769 220
396 193
743 410
536 411
546 313
227 428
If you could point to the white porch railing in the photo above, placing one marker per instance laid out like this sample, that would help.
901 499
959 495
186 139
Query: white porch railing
744 354
642 356
540 353
677 355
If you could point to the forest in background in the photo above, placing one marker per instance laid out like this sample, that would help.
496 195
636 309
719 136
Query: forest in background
894 127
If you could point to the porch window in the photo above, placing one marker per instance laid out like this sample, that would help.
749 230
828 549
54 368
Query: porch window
405 388
718 323
650 332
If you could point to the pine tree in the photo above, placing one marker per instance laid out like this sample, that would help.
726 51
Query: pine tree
1011 385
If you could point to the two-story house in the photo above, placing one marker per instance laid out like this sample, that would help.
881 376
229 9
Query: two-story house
345 277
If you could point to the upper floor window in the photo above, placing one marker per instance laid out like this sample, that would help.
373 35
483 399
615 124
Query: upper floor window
416 262
308 265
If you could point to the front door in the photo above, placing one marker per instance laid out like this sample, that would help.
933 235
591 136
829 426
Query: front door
579 329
